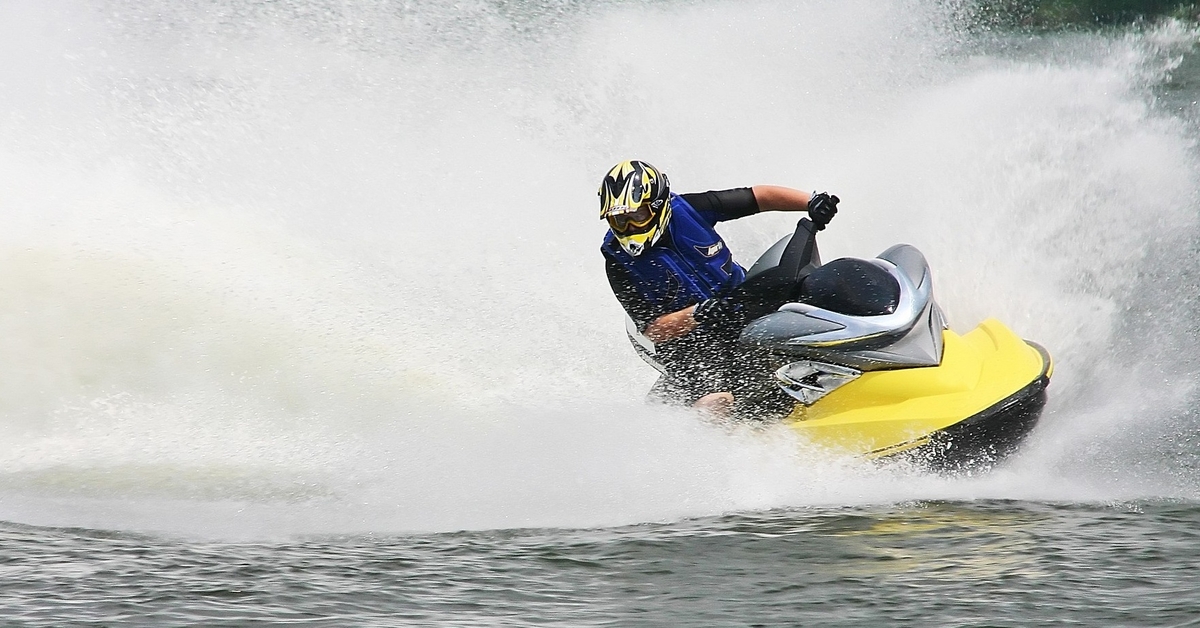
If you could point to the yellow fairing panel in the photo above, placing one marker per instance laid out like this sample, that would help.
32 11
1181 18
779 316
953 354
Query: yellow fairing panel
885 412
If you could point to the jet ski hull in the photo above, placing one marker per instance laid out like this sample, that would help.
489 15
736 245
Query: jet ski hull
972 409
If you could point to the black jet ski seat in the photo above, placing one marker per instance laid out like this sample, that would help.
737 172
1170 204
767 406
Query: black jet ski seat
857 287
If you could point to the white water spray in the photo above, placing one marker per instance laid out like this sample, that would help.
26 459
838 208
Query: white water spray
333 267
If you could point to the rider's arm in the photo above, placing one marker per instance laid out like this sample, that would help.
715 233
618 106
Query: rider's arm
779 198
671 326
719 206
732 204
716 206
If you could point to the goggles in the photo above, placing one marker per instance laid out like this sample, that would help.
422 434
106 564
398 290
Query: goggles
625 219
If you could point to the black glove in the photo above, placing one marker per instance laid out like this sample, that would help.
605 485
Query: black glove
821 208
719 311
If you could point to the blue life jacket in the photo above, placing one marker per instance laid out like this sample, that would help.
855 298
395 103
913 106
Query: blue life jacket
688 264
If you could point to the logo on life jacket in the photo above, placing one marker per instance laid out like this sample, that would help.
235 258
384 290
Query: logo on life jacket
710 250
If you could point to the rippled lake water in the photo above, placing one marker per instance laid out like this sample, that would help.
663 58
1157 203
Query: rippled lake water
986 563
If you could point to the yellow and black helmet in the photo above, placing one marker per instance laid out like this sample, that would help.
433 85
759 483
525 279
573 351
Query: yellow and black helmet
635 199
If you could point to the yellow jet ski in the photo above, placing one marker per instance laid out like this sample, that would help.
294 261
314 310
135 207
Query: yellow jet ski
869 367
865 352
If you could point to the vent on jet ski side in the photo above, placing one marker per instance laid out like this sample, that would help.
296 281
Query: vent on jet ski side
807 381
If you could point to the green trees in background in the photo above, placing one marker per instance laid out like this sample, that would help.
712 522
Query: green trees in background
1053 13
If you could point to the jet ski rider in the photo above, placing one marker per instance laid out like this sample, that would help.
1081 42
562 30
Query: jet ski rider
674 275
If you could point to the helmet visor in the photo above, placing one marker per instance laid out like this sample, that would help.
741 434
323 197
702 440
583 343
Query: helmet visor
628 220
